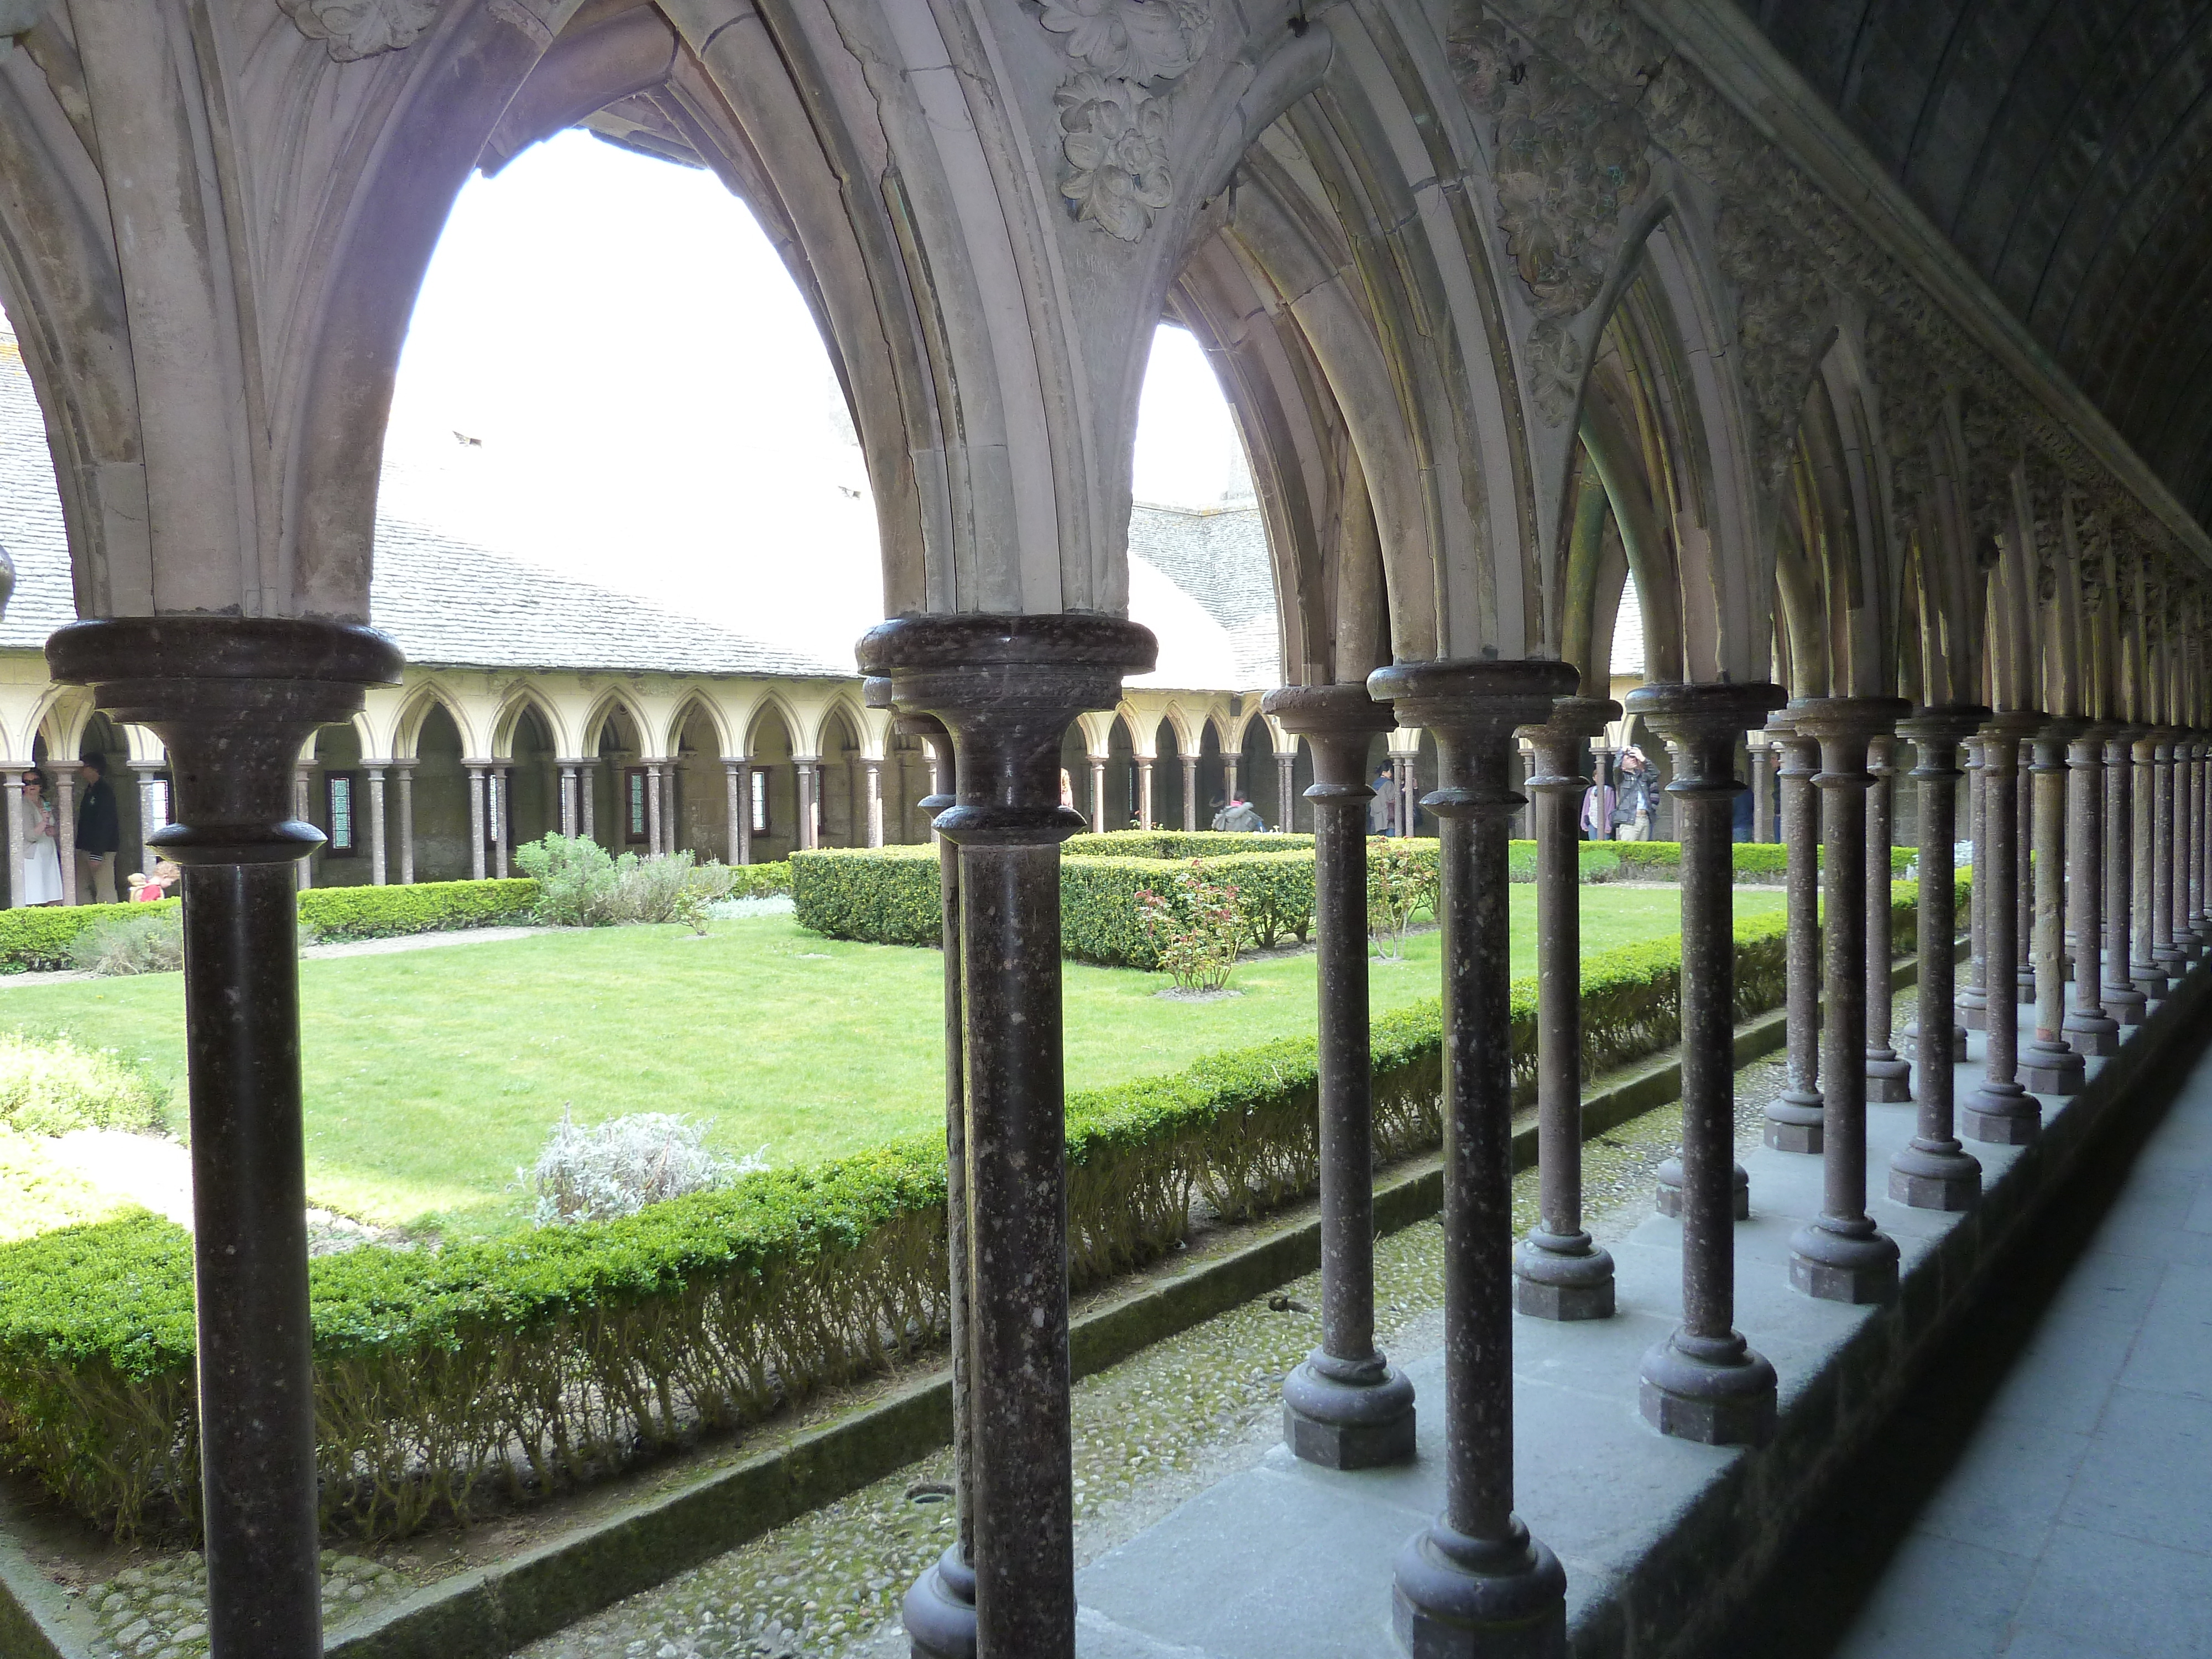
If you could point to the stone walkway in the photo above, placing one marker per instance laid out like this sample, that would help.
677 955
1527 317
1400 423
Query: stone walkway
2078 1520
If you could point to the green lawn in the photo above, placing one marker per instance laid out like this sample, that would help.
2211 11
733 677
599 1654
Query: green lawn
432 1075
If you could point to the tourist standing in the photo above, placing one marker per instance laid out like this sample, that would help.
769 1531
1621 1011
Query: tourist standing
1382 810
99 833
1239 818
42 859
1631 798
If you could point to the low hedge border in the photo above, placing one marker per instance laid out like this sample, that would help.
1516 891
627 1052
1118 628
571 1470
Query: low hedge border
38 939
585 1346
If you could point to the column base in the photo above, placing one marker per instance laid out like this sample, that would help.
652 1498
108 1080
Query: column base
1934 1174
1562 1278
1670 1190
1974 1011
2025 988
1348 1414
1911 1035
2148 980
939 1611
2055 1069
1794 1120
1714 1390
2172 962
2001 1114
1858 1267
1457 1597
2091 1034
1888 1079
2126 1004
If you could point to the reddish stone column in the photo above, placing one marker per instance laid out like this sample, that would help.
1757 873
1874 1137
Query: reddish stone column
1476 1582
2089 1028
232 699
1888 1079
2002 1111
1346 1406
2049 1065
2122 995
1794 1117
1704 1383
1974 997
1007 688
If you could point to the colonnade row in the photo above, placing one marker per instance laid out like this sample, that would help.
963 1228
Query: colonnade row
2090 844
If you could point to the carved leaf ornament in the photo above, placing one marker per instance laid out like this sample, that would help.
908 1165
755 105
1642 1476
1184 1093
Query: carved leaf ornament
362 28
1113 106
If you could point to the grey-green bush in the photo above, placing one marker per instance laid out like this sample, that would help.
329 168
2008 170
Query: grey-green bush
49 1086
132 945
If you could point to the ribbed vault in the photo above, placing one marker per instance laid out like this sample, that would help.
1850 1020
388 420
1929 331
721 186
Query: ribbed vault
2065 146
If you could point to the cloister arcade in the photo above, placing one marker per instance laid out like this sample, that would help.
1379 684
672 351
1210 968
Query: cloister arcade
1511 300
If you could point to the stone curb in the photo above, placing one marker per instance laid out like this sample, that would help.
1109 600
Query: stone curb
487 1612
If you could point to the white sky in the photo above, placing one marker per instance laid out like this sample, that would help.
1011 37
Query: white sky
625 442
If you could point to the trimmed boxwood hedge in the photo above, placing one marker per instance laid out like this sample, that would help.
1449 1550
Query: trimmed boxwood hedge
549 1357
1181 844
39 936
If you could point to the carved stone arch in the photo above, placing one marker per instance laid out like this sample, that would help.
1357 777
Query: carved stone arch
773 701
1597 573
699 699
611 700
1144 729
522 696
407 730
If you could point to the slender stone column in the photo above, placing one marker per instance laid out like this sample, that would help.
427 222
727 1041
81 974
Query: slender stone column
2163 951
1559 1272
1144 793
2001 1112
2024 845
735 818
1476 1582
476 820
15 798
1974 1000
1190 791
874 781
1795 1116
2186 944
1286 786
1098 797
232 699
1008 687
149 815
2088 1029
1703 1383
1229 776
2123 996
808 769
2047 1064
671 828
502 821
2197 922
568 798
1347 1407
64 798
1934 1172
1842 1256
1408 787
406 771
939 1609
302 810
2143 966
1762 784
377 868
1888 1079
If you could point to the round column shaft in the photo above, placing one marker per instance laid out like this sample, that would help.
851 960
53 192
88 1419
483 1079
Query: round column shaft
1703 1381
1888 1079
2122 995
1347 1407
1475 1585
939 1611
1794 1117
1008 688
1842 1256
2199 925
1934 1172
2023 850
1559 1272
2001 1112
2088 1029
1285 788
2163 951
232 699
1974 999
2049 1064
2142 964
1762 792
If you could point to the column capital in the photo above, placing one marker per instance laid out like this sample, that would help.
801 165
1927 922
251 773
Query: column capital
1944 723
1008 687
1574 720
1339 722
1467 696
232 699
1697 713
1831 718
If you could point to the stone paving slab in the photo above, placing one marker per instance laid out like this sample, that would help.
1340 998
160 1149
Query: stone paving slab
1281 1561
2078 1519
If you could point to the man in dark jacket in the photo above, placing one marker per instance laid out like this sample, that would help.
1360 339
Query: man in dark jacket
99 833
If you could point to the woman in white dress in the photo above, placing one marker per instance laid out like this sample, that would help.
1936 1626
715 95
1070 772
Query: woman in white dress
42 858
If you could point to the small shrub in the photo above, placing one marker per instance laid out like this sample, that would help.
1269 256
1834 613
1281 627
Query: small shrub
575 877
50 1086
1195 926
132 945
624 1165
1401 882
581 885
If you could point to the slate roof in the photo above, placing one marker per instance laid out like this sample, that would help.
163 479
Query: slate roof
451 603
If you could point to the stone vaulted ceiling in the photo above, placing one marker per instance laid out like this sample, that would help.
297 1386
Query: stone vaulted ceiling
2065 146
